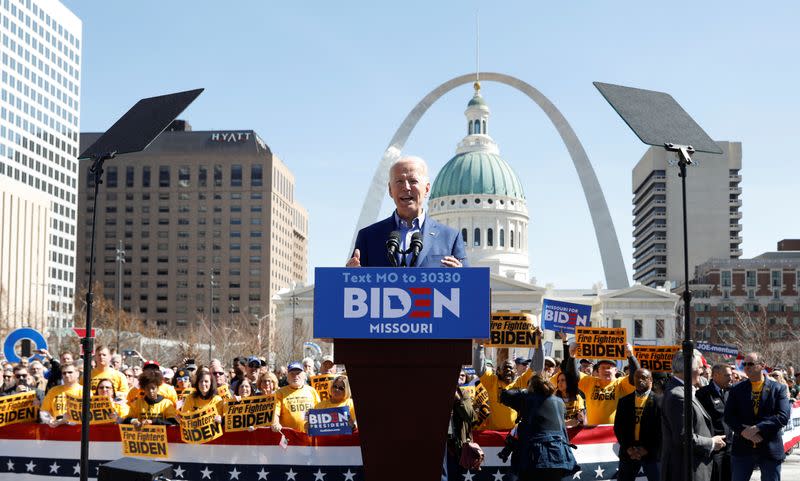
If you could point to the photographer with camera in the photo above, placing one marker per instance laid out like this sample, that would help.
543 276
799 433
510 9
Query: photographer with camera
544 452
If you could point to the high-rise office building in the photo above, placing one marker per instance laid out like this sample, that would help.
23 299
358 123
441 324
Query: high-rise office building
713 213
208 223
39 105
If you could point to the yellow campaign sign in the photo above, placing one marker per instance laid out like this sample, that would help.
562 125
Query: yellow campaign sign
601 342
656 358
146 441
200 426
480 400
322 383
19 408
253 411
513 330
184 393
101 411
224 392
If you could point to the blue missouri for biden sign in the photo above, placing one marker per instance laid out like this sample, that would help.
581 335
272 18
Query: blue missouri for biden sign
386 303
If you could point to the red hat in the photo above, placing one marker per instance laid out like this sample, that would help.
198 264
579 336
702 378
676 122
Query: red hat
150 363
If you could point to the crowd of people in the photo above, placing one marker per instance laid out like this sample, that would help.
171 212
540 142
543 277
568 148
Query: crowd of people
143 392
739 411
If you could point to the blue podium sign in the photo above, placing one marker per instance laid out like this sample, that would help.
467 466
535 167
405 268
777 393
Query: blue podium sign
397 303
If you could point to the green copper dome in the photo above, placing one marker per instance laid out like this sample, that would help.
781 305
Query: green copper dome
473 173
476 100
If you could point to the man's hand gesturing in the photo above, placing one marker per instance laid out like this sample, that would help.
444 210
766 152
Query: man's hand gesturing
354 261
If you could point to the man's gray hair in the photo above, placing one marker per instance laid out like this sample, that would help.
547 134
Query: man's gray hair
677 361
411 158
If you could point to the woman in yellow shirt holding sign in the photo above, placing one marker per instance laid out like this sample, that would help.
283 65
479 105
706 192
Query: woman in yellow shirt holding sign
106 388
339 396
204 394
153 408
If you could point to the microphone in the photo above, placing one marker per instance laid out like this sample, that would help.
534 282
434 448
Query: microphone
392 245
415 248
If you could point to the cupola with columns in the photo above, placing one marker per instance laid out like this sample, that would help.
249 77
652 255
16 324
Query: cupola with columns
478 193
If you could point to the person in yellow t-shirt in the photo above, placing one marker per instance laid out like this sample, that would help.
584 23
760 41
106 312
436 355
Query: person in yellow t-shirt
54 404
502 417
103 370
205 393
575 407
604 391
164 389
106 388
153 408
293 401
339 396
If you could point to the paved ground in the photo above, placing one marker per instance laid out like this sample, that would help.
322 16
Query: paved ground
790 471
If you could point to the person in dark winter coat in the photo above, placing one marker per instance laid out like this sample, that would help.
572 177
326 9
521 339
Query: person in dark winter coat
544 452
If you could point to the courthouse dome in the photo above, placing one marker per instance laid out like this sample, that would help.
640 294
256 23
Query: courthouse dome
477 173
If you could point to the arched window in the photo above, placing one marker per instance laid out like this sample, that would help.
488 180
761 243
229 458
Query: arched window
464 235
477 128
469 127
489 237
484 127
511 238
502 238
476 241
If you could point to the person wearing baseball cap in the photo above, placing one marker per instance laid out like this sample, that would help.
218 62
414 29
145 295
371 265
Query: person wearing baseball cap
294 400
327 366
604 390
586 366
521 365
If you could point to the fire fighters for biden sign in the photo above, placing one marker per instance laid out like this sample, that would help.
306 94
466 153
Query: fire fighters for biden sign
385 303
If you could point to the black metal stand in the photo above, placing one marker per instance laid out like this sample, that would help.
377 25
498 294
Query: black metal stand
87 342
684 153
657 119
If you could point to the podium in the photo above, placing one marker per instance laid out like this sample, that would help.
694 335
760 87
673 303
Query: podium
403 379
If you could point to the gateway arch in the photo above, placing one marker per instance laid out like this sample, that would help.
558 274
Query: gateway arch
610 253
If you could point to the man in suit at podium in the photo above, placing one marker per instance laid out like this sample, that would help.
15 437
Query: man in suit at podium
441 246
408 238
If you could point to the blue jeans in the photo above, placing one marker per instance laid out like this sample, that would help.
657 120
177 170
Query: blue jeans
742 468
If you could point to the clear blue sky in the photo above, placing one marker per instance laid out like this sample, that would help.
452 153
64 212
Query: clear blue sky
326 84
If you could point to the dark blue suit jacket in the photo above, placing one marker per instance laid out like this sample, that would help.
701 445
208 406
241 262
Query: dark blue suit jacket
438 241
774 410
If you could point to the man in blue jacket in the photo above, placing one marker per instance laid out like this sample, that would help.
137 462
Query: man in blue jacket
757 410
442 246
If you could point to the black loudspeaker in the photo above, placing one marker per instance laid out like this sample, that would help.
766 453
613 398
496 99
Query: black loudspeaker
133 469
25 348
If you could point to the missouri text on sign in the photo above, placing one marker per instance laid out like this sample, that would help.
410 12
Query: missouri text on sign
385 303
565 316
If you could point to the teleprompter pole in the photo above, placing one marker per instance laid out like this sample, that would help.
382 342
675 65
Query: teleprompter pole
87 342
684 153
